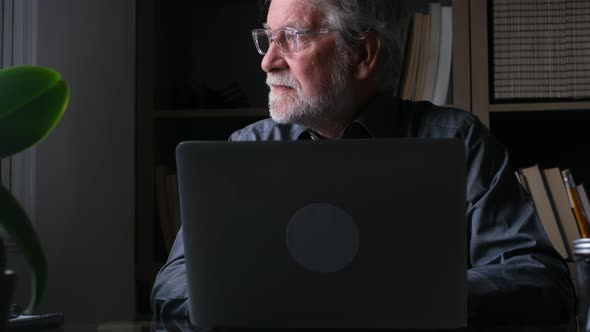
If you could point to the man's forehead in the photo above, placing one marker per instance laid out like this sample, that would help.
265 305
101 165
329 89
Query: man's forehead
293 13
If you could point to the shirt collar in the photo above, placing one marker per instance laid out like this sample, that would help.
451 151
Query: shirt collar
379 118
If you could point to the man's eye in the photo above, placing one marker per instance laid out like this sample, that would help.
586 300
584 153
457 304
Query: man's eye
302 38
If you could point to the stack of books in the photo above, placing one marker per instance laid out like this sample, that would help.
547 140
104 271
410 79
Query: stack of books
427 67
540 49
562 206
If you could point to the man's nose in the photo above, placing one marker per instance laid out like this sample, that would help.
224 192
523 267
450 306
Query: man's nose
273 59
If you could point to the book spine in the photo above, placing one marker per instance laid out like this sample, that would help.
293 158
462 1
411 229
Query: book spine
575 203
443 74
540 195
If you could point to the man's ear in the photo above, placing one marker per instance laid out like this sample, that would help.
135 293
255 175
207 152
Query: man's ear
366 57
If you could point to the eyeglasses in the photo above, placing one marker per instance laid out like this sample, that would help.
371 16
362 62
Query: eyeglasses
287 39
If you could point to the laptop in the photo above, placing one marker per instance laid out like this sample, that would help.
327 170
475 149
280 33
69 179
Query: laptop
365 233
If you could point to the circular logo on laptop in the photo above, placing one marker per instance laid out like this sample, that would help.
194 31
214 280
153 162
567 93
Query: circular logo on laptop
322 238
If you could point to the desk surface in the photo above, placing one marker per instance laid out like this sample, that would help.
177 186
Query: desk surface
184 326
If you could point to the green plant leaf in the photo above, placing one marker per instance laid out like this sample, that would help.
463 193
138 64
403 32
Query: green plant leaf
32 100
17 224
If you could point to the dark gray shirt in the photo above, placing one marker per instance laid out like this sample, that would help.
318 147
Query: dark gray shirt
514 274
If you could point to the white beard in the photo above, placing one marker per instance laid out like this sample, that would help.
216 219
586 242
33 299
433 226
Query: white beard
314 111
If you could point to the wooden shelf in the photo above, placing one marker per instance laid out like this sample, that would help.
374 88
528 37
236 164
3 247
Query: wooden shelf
542 106
211 113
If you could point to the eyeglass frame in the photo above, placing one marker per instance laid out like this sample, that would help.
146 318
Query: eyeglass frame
296 33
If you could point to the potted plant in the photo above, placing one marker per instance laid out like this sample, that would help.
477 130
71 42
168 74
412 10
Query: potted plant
32 100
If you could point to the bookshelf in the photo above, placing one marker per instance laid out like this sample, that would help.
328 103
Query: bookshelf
548 131
188 54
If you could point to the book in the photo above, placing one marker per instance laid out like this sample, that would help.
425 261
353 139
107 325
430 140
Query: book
561 205
422 58
408 84
575 203
433 51
443 74
544 209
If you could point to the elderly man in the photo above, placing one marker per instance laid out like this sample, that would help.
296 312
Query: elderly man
331 68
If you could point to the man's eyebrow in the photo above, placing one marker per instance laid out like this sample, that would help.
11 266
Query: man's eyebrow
288 25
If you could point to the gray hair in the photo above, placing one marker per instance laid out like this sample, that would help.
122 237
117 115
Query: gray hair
390 19
355 18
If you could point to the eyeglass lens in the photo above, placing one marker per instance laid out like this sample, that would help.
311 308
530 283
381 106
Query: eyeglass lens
262 41
284 39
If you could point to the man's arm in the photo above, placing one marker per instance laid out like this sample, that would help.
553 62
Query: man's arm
170 293
514 272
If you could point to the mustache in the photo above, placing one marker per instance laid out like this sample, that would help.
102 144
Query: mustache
284 79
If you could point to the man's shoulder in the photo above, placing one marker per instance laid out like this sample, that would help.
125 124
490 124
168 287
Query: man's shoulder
441 116
266 130
428 119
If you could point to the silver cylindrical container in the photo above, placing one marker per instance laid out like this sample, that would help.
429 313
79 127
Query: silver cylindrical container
582 254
